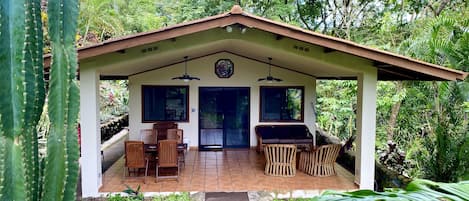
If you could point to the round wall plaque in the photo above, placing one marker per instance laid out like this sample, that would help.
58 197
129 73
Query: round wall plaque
224 68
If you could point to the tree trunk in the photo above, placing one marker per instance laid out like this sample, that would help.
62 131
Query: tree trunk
394 112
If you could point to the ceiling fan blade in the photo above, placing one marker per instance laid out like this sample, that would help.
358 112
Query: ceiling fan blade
277 79
261 79
185 77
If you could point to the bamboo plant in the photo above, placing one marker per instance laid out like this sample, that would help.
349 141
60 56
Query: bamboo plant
23 174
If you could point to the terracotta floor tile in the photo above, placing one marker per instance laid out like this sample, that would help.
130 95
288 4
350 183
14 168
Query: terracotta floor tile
225 171
197 188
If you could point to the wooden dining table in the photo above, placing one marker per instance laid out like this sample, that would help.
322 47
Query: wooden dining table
153 148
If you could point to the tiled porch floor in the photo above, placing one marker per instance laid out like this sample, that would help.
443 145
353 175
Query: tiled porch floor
226 171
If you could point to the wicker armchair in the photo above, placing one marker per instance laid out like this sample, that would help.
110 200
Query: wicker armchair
280 160
167 157
320 162
135 158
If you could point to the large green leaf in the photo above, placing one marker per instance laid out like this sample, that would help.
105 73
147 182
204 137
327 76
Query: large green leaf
417 190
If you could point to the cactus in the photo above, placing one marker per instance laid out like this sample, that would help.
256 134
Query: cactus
22 92
61 164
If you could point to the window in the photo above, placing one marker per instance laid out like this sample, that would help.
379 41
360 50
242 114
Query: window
165 103
281 104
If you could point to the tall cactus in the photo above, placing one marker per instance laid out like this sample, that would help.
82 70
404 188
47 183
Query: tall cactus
61 168
22 98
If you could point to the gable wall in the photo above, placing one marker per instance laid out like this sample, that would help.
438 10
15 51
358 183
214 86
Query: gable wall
246 73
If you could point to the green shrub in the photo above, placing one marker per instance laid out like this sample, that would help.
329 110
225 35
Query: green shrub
118 197
173 197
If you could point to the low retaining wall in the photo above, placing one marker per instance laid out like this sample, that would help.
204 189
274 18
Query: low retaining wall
113 127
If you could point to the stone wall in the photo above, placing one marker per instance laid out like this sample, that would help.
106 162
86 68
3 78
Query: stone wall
113 127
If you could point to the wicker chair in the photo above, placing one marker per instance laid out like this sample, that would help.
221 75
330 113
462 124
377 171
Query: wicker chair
135 158
167 157
178 135
280 160
320 162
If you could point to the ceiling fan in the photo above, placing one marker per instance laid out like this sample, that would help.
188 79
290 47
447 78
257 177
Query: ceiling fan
269 78
185 77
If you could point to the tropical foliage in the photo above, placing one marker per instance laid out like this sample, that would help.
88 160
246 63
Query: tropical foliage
113 99
416 190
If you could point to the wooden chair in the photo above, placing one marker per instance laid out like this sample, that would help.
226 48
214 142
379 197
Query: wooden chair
167 157
161 129
148 136
175 134
280 160
178 135
135 158
320 162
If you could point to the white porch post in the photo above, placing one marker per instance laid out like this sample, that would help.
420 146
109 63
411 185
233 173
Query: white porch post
366 129
313 109
90 133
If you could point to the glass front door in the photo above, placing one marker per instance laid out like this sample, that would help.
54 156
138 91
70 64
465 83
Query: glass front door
223 117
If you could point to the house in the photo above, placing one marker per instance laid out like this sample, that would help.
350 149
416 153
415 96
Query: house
229 53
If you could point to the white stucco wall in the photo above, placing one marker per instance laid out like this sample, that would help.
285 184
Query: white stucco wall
246 73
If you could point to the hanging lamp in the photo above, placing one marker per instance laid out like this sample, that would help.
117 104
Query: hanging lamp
185 77
269 78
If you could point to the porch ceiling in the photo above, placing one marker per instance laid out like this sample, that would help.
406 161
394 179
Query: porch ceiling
254 44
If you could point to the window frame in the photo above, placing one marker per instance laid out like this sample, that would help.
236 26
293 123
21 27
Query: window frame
261 104
164 86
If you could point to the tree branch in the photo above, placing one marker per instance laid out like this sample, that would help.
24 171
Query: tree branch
301 15
443 4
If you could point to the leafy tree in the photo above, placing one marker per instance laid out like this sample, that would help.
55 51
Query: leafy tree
113 99
336 106
443 40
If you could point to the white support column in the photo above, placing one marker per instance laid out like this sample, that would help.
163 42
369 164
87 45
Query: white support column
366 129
313 109
91 177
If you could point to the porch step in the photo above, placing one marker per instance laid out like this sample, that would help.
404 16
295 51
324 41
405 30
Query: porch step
223 196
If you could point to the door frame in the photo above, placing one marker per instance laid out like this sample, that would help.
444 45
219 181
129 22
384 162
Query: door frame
224 136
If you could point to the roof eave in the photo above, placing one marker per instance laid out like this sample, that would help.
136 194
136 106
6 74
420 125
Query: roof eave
236 15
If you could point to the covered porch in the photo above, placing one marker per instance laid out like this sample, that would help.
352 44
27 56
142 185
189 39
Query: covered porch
301 57
235 170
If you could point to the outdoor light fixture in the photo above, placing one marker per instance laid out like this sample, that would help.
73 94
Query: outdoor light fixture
269 78
229 29
185 77
241 28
